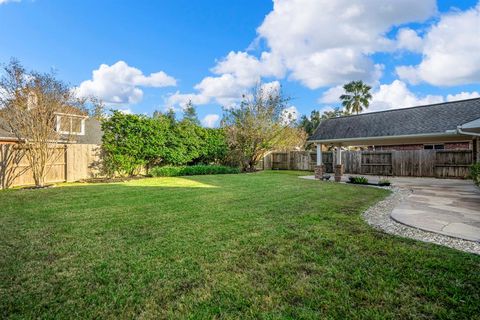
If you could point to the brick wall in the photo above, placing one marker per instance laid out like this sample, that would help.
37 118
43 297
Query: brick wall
447 145
458 146
400 147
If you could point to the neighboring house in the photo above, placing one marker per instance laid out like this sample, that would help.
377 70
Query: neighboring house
443 126
80 129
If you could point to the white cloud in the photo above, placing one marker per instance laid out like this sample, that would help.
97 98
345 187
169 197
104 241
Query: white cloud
181 99
271 88
409 74
210 120
463 95
126 111
247 68
397 95
331 95
234 76
120 83
317 42
324 42
450 52
408 39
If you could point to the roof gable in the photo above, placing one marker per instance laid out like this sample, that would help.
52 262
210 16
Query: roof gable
429 119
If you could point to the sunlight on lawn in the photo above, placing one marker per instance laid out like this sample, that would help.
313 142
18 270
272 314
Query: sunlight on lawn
172 182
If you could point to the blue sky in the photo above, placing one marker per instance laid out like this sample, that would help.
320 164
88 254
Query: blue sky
411 52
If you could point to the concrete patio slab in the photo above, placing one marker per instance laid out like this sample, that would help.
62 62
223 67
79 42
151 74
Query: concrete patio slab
445 206
449 207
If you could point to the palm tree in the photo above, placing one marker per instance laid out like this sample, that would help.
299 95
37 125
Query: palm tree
357 96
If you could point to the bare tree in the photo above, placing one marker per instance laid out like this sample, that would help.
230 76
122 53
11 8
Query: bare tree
29 106
259 125
10 157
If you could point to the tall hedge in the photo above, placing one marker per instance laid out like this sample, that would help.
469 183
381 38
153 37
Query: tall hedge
131 142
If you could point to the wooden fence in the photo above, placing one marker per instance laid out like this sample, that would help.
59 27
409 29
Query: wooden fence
413 163
72 162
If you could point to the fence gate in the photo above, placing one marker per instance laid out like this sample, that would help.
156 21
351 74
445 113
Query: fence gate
453 163
377 163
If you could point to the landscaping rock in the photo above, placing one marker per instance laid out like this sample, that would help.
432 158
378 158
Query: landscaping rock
378 216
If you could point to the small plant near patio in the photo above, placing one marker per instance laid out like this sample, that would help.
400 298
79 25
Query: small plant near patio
175 171
475 173
384 182
358 180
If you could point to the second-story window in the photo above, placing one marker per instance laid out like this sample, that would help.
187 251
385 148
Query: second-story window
70 124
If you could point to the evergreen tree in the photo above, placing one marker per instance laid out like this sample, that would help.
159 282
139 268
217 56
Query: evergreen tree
190 113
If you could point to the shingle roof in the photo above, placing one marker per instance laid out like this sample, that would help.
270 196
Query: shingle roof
93 132
435 118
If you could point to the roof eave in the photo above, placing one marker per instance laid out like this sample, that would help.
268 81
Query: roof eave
448 134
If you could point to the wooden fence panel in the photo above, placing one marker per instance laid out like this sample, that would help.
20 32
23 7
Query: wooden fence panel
300 160
410 163
280 160
453 163
71 162
414 163
377 163
352 161
56 169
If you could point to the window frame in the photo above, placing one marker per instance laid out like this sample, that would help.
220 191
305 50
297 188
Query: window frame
434 146
61 116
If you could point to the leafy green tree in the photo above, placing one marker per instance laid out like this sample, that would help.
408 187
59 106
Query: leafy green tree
214 148
357 96
170 114
257 126
310 124
190 113
132 141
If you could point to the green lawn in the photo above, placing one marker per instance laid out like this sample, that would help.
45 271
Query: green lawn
266 245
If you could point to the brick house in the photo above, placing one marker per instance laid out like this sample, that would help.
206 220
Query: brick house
444 126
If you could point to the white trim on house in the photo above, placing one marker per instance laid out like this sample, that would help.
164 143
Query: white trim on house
475 124
58 121
413 136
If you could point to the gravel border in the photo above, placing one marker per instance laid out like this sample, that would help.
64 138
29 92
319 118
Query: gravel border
378 216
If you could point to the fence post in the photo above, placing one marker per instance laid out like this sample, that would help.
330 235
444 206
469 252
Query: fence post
2 169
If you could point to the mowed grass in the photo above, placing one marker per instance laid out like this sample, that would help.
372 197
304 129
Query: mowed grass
266 245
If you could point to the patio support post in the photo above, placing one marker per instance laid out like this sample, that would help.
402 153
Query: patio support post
319 167
338 166
476 150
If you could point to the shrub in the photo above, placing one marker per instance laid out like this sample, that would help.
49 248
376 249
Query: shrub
358 180
172 171
475 173
384 182
131 142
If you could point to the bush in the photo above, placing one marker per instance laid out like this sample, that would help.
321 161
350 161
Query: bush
384 182
131 142
358 180
475 173
172 171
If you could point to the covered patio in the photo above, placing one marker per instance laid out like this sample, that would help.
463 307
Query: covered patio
449 128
